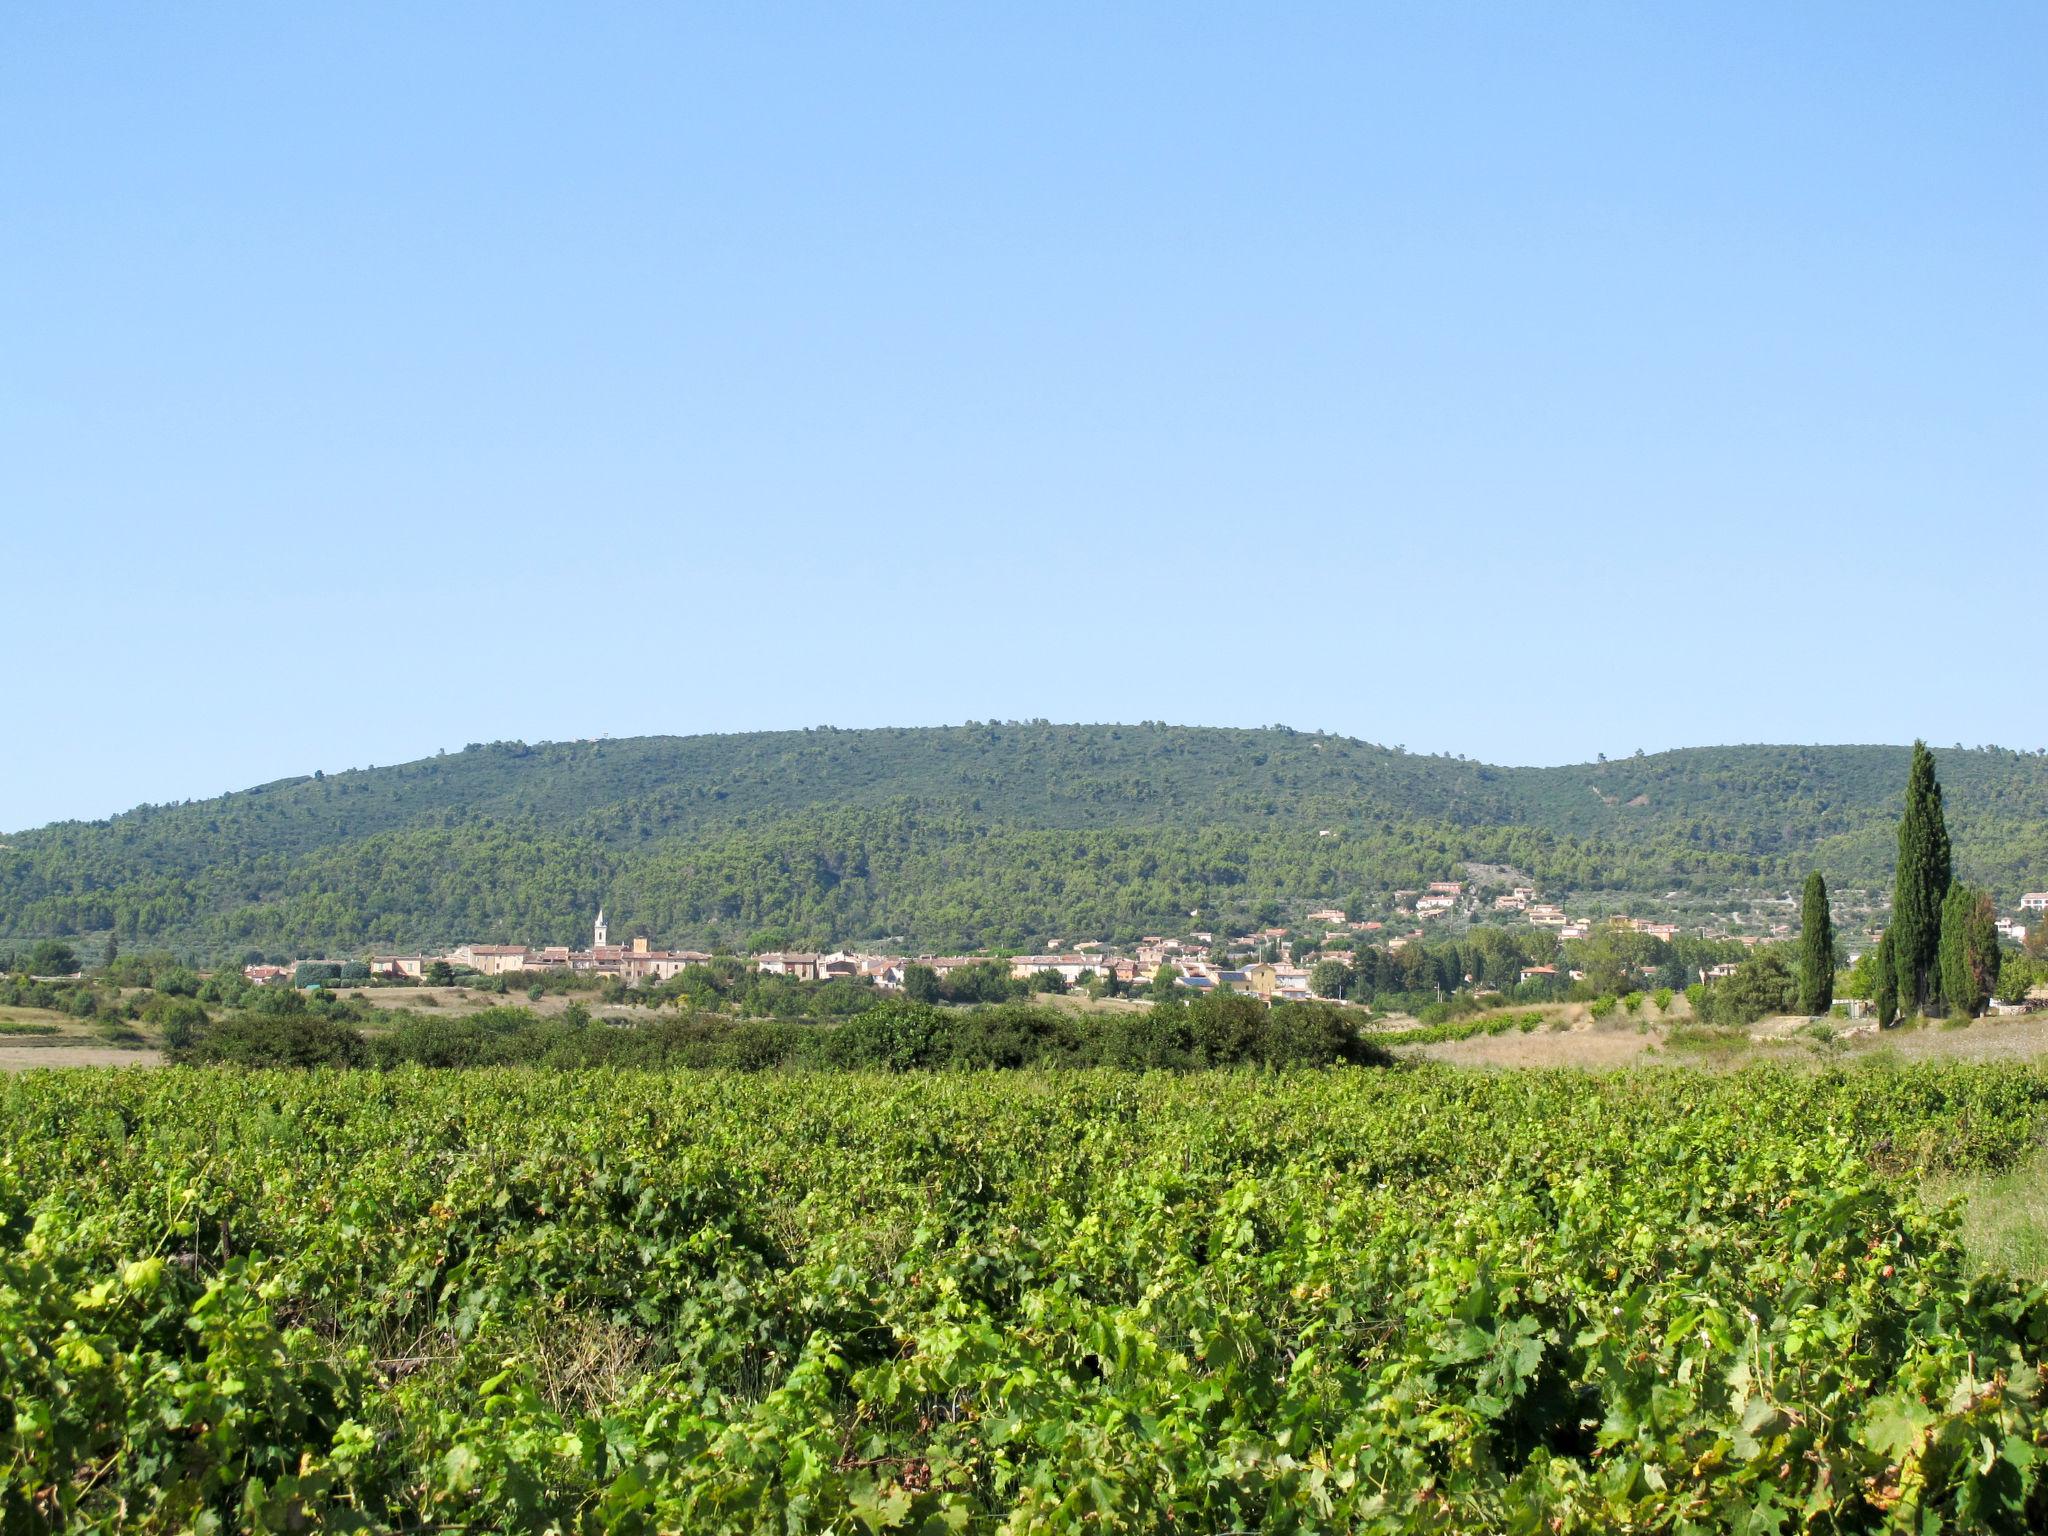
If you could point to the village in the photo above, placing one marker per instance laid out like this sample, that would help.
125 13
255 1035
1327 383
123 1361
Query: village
1261 963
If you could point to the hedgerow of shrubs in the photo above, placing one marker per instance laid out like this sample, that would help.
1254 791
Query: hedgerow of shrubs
896 1036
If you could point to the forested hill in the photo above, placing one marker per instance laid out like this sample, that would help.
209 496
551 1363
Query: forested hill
975 834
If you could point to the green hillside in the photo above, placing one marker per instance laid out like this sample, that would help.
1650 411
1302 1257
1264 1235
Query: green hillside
980 834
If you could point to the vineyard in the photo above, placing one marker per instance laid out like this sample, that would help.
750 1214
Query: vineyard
1415 1300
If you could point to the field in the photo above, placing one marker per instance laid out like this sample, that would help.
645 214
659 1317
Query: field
42 1037
1353 1300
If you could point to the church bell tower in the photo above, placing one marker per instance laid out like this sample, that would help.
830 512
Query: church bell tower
597 933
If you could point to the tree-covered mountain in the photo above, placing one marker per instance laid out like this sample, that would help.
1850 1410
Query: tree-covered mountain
966 835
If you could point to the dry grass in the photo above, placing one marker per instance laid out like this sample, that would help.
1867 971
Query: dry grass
1577 1047
33 1019
1080 1002
1621 1040
1993 1039
73 1051
41 1037
454 1002
2005 1216
584 1364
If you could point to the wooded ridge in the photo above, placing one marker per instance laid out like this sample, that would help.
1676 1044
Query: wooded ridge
982 834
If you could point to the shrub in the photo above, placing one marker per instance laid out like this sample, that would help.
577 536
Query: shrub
1317 1035
50 958
896 1037
1763 984
260 1040
1707 1040
177 981
168 1013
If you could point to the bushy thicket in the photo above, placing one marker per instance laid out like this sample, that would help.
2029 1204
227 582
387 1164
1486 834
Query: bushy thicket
273 1040
1762 985
896 1036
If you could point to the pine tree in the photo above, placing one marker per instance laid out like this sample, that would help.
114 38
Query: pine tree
1887 999
113 949
1920 886
1816 949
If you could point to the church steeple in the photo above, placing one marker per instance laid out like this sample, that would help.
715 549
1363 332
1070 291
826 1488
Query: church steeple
597 934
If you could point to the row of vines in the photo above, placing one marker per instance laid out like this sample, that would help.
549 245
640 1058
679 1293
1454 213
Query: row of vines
1339 1301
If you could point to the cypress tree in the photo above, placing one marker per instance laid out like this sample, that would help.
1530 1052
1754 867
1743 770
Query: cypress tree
1969 950
1920 886
1887 999
1951 959
1980 941
1816 949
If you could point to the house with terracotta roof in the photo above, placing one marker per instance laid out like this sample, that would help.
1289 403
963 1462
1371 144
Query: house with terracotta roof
1069 968
489 959
643 963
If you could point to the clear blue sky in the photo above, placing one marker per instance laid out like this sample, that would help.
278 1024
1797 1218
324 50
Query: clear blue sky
1526 381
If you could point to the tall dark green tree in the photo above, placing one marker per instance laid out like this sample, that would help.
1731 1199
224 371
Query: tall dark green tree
1816 948
1329 978
1920 885
1887 999
49 958
920 983
1969 950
